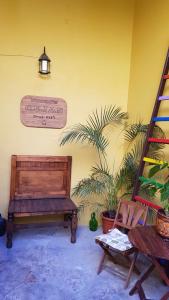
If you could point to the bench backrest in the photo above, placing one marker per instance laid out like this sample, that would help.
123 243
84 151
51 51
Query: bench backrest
34 177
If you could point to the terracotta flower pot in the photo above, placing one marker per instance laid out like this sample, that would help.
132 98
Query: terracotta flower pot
162 225
107 222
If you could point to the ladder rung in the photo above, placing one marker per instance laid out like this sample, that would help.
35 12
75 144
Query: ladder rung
146 202
154 161
161 141
156 119
163 98
166 76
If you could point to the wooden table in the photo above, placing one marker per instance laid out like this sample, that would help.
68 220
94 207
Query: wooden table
147 241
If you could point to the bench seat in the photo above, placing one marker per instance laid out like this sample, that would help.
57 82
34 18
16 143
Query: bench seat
29 207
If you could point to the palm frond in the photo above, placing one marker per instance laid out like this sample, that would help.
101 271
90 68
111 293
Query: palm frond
107 116
154 149
131 160
127 173
92 132
134 130
87 187
136 134
155 153
101 169
85 134
103 174
77 133
158 132
134 155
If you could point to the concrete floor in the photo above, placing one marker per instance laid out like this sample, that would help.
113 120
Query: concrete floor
44 265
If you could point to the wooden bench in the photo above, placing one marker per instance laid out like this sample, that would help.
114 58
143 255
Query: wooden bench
40 185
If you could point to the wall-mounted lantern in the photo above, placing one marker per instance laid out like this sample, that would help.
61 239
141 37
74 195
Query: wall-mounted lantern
44 63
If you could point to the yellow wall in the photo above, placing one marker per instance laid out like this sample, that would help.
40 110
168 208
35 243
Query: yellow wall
149 49
89 43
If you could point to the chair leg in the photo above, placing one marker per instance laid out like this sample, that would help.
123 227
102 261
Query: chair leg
73 226
135 269
131 269
9 230
101 263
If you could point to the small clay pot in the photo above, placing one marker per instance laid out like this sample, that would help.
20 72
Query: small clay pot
162 224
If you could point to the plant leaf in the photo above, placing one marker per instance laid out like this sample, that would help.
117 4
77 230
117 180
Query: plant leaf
92 132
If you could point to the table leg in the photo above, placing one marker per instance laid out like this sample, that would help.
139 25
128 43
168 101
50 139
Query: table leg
141 292
73 226
160 270
165 297
143 277
162 275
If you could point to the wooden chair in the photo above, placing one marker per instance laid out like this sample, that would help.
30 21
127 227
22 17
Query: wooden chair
40 185
129 214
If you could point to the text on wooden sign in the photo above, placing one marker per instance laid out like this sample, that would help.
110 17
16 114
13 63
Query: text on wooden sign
48 112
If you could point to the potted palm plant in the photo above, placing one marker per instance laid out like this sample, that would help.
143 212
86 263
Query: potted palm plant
105 183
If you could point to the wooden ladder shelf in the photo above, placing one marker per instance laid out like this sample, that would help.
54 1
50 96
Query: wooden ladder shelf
149 136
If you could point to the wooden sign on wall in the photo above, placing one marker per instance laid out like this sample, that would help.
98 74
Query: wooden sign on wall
43 112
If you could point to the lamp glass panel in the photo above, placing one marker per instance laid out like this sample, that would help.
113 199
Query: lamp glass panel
44 66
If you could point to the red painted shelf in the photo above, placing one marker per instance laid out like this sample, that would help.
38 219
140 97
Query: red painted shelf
146 202
161 141
166 76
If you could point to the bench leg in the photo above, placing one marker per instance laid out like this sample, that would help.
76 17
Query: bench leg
73 226
9 233
67 218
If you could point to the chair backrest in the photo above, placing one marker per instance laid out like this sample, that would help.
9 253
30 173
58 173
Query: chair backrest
130 214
